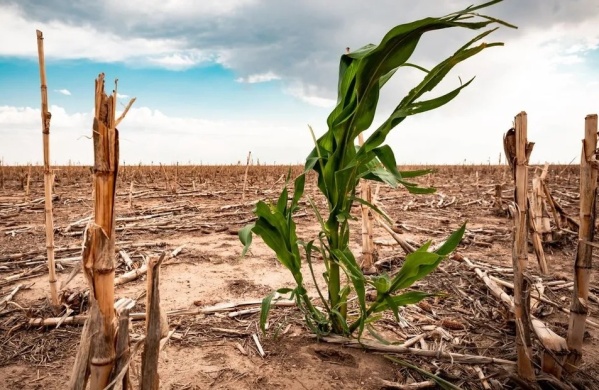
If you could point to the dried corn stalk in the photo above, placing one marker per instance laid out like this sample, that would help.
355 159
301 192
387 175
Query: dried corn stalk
517 150
48 175
99 241
583 265
368 249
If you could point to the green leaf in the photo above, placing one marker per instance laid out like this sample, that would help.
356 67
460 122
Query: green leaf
372 319
415 173
282 202
279 235
452 242
425 246
310 163
274 240
376 335
298 190
393 306
414 189
428 105
477 38
245 236
372 207
471 8
408 106
498 21
356 276
382 283
387 158
407 298
341 319
317 213
265 309
380 166
381 175
407 64
383 80
416 266
309 248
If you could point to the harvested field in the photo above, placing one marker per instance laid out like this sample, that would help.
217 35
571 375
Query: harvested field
194 214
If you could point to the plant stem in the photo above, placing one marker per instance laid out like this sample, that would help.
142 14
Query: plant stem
520 251
303 294
583 264
308 304
48 175
334 287
324 302
334 274
364 316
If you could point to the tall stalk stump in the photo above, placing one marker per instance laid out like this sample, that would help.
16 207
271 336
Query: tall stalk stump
583 264
517 150
99 248
48 175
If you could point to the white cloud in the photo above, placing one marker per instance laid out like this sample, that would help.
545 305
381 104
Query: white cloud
121 96
529 74
299 42
259 78
19 116
63 91
310 94
543 69
182 60
568 59
160 10
71 41
149 135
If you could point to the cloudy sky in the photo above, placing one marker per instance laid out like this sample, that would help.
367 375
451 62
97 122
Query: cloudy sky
215 79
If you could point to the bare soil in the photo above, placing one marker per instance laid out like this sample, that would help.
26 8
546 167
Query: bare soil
201 209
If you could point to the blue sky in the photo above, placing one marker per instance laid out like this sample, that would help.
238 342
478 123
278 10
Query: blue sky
215 79
209 91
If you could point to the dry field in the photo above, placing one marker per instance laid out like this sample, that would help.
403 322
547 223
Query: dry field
194 212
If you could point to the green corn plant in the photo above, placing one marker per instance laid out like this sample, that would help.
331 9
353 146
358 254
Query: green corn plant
340 165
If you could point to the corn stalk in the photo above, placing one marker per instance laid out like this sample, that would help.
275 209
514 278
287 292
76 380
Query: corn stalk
518 149
583 265
99 242
245 175
340 165
48 175
368 249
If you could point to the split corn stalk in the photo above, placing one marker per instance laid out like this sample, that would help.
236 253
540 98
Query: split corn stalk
520 252
582 268
99 245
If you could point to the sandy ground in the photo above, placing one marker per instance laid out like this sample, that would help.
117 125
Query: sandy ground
209 271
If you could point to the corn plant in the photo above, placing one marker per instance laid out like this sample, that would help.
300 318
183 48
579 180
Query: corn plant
340 165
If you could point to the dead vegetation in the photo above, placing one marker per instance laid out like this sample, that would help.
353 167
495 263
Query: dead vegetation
455 335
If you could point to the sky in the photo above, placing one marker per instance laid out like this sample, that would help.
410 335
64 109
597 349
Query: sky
215 79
